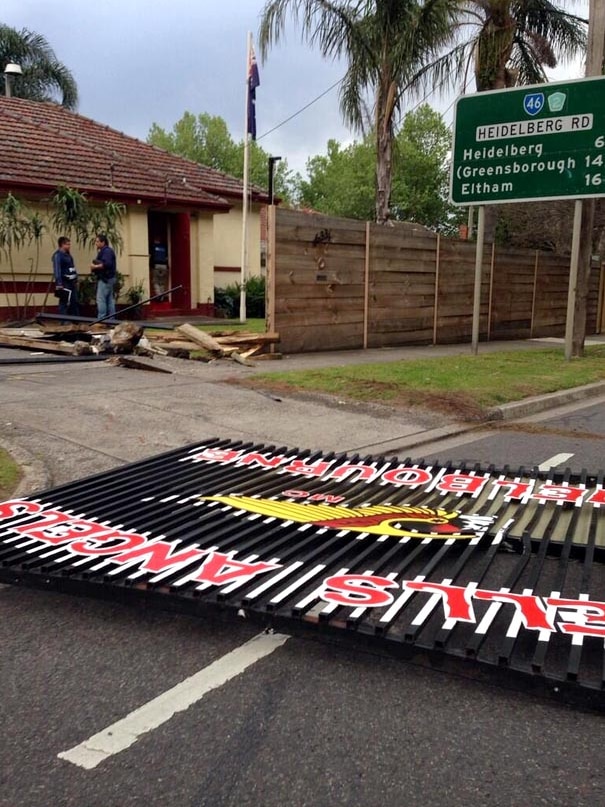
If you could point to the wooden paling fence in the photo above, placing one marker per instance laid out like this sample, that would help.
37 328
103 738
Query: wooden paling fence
336 283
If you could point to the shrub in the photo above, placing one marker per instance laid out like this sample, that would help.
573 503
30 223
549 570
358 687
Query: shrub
87 289
227 300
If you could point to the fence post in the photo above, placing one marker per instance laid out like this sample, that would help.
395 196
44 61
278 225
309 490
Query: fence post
599 322
436 299
491 291
533 298
366 288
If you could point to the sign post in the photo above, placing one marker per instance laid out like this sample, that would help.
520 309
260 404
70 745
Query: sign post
527 144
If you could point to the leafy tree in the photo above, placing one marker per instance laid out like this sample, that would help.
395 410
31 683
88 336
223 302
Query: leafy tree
44 77
205 139
511 42
420 186
340 182
385 43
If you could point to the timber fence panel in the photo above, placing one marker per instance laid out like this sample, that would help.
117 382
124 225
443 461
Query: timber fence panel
551 295
592 302
455 294
401 286
334 289
319 286
513 294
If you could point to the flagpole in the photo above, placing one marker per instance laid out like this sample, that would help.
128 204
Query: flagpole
244 267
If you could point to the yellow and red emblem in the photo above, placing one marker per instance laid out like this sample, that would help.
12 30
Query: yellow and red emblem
397 521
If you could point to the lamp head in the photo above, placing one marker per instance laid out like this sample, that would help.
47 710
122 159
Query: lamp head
13 69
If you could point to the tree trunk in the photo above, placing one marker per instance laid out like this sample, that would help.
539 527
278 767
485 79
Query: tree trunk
383 177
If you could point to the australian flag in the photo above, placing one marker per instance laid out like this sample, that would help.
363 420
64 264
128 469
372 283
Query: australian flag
253 82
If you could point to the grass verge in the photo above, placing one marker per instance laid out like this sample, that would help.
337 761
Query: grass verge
249 326
9 475
461 386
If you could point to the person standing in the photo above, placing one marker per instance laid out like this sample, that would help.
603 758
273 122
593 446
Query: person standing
66 278
104 268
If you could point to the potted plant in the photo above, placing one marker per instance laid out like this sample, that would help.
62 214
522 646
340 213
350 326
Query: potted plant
134 295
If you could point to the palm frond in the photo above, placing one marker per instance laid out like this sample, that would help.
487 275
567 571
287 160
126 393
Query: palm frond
44 77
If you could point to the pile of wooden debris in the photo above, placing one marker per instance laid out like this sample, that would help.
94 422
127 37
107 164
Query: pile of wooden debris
182 341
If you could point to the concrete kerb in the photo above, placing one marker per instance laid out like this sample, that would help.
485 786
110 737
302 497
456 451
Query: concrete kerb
507 412
541 403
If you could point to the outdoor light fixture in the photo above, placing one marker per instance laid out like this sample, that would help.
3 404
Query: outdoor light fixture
10 71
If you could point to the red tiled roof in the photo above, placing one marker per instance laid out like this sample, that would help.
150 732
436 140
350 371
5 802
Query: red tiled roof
45 145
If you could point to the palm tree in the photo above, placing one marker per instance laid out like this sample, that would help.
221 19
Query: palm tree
44 78
385 43
509 42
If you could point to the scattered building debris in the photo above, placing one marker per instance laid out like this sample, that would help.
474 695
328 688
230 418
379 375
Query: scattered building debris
125 337
201 339
135 364
77 338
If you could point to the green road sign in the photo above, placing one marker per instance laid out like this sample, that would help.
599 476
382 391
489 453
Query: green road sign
546 141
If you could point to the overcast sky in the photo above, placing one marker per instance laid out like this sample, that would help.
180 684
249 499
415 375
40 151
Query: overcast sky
139 62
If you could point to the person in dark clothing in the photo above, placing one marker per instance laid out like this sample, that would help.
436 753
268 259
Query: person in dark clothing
104 268
66 278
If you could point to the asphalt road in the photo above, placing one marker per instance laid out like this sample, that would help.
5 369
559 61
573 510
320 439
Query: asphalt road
573 434
309 723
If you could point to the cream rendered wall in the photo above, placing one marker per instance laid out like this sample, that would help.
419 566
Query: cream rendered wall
202 259
133 261
228 244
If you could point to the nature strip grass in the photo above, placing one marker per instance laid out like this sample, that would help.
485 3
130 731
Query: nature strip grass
9 474
481 381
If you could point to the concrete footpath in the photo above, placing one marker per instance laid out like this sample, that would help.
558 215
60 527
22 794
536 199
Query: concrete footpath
66 420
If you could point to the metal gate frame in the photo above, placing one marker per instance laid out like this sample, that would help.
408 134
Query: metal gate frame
495 574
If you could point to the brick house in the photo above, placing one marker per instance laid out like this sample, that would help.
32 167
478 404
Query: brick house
194 211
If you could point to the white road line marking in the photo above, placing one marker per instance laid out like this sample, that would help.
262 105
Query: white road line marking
126 732
558 459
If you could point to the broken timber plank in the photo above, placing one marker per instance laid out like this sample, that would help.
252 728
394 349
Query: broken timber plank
241 360
254 338
44 345
203 339
134 364
177 344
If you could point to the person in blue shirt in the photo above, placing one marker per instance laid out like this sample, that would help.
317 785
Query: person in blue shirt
66 278
104 268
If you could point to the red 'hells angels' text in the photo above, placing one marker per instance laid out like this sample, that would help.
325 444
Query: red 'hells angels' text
86 538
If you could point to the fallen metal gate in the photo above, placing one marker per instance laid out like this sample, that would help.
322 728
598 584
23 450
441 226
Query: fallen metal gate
487 571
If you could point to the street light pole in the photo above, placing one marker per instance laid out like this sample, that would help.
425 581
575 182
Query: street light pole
272 161
10 71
